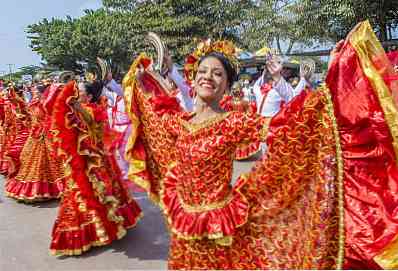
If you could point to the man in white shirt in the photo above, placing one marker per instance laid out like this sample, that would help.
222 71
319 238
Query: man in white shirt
184 97
282 92
269 104
118 119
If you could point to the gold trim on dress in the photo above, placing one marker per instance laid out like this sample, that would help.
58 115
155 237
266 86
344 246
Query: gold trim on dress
195 127
206 207
387 259
340 179
368 48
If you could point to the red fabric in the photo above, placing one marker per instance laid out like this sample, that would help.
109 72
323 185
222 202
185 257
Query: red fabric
370 172
393 57
219 221
68 139
33 190
163 104
2 104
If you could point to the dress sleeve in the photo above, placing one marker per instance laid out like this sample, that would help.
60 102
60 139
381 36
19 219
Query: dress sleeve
245 128
301 150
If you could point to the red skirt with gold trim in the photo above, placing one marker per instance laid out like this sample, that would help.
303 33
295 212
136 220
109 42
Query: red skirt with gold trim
40 175
15 148
84 222
4 143
95 216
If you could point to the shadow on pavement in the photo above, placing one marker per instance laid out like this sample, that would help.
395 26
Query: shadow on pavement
46 204
149 240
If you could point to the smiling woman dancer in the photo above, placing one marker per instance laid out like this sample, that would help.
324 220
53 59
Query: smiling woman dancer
186 166
316 201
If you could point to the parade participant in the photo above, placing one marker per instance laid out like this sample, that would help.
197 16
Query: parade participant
184 95
268 100
265 88
95 208
19 129
8 128
3 130
40 174
214 225
321 198
27 93
118 121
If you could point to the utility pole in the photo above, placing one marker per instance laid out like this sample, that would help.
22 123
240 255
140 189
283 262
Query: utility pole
10 67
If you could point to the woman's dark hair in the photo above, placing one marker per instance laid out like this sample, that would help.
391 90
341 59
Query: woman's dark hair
41 88
230 70
94 89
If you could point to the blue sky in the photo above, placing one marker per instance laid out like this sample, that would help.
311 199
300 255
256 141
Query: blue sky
17 14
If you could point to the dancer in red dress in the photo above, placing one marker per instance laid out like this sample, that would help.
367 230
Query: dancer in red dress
322 198
41 172
95 209
19 128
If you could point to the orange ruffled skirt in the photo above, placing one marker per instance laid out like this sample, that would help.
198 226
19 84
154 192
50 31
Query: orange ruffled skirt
40 176
14 148
4 138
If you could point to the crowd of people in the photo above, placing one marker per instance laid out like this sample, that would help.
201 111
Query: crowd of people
322 195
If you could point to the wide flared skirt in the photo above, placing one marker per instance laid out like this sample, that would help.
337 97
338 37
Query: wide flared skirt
14 149
86 220
6 139
40 176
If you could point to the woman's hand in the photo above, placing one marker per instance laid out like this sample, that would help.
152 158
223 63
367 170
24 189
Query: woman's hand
335 51
140 70
341 44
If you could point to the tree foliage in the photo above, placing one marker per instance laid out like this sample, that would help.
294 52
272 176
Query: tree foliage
338 17
117 31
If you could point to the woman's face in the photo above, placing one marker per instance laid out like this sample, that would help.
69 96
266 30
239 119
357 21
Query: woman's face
83 97
211 80
35 92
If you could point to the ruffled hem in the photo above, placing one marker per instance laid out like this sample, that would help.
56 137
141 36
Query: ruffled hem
216 221
3 167
32 191
247 151
131 212
75 242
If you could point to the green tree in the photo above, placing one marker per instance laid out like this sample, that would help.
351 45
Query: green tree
52 40
338 17
117 31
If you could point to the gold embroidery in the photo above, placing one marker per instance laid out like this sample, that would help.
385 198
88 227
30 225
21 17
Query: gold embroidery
194 127
340 178
388 258
206 207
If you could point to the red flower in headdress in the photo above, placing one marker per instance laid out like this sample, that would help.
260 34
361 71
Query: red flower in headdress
265 88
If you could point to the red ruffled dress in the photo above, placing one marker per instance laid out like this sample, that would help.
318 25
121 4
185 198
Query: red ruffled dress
231 103
20 130
95 208
283 215
41 172
324 196
3 134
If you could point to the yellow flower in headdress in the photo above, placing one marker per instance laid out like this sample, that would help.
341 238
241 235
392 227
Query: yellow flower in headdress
226 48
90 77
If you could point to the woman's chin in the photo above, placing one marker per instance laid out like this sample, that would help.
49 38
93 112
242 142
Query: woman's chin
206 94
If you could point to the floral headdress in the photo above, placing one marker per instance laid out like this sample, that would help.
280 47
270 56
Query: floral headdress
227 48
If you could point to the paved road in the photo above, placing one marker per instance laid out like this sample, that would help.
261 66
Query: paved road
25 235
